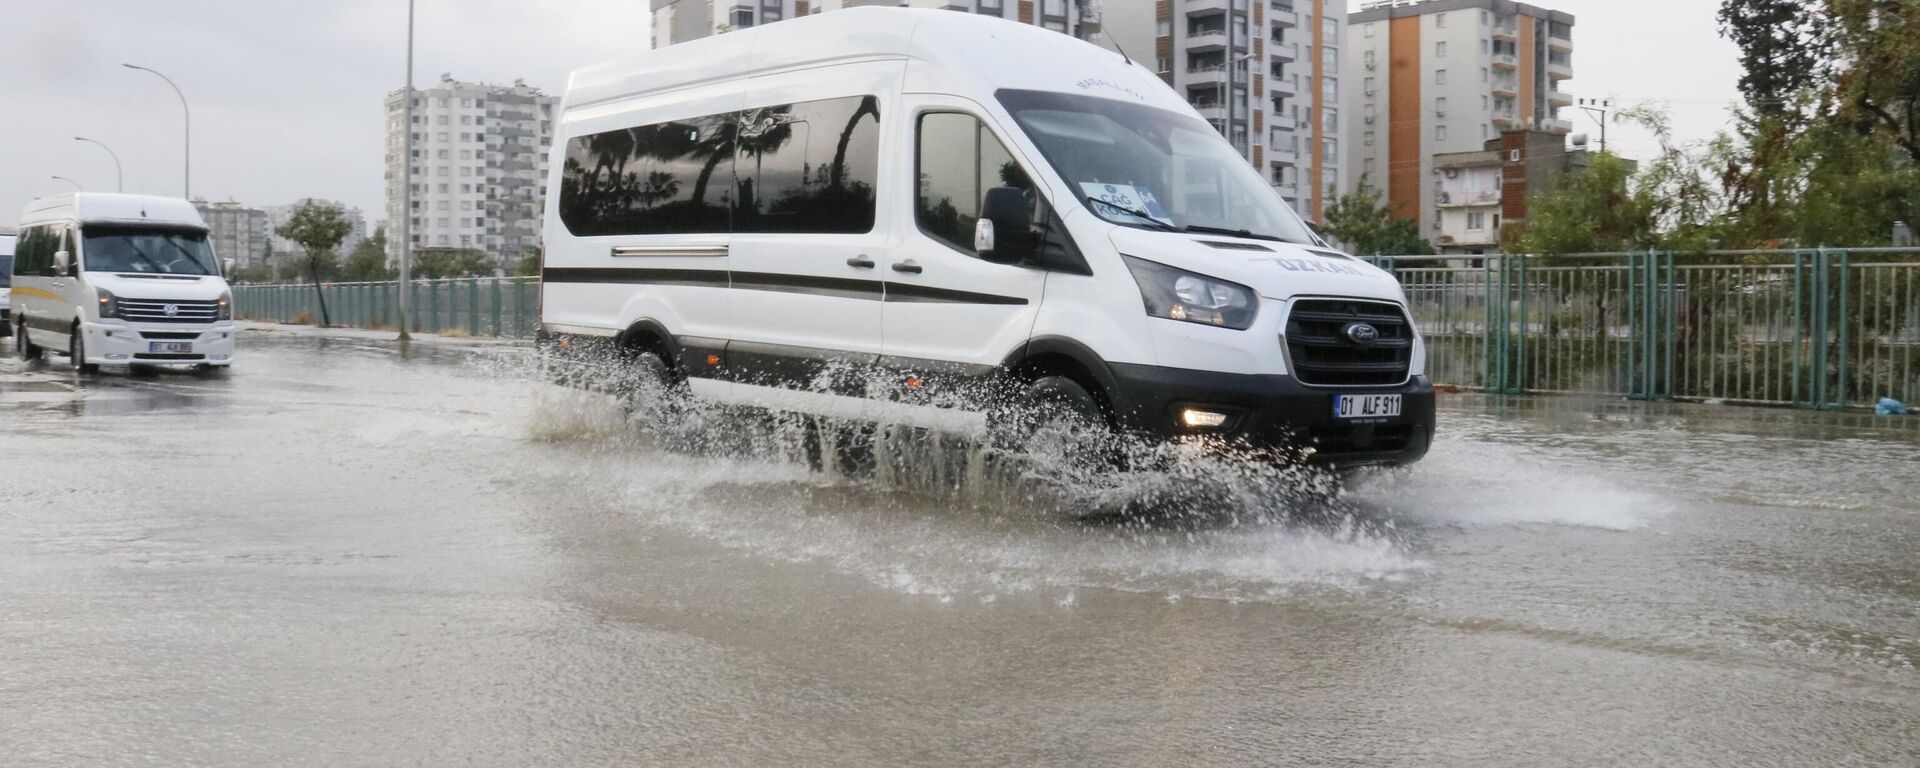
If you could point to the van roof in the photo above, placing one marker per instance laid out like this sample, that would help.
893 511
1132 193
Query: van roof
969 54
87 207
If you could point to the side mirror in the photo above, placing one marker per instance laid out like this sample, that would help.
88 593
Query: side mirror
226 266
1006 218
62 262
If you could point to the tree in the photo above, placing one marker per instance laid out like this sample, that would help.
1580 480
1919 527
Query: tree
1878 90
529 265
436 263
1364 222
319 228
368 261
1784 50
1586 211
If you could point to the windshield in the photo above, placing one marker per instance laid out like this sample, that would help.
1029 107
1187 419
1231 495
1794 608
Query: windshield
1152 168
116 248
6 271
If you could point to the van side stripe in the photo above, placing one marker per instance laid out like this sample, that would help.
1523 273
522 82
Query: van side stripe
37 293
852 288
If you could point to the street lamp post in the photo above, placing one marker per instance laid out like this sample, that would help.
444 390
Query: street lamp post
76 185
119 174
406 190
186 175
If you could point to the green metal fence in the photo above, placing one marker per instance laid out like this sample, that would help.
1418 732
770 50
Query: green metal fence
1817 328
476 306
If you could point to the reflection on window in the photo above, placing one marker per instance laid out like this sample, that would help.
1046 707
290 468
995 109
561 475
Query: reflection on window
959 160
147 250
808 167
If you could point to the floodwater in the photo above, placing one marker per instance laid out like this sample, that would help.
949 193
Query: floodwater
349 553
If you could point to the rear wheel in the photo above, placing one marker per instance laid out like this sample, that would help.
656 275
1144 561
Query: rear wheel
77 353
23 347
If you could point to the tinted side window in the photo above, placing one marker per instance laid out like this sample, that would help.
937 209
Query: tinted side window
959 160
659 179
27 252
809 167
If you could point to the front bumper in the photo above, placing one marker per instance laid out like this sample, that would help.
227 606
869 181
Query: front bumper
1267 413
129 344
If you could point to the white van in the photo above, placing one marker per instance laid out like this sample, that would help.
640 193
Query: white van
6 284
120 280
972 213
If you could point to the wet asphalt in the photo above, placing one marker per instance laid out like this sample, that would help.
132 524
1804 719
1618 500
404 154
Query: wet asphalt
350 552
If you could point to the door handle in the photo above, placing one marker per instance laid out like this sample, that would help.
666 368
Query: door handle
907 266
860 262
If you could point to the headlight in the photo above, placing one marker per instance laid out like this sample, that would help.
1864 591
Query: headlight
1176 294
226 306
108 307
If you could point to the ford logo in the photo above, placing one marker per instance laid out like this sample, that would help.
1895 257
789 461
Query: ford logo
1361 334
172 310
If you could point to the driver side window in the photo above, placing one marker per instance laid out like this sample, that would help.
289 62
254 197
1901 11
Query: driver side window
959 161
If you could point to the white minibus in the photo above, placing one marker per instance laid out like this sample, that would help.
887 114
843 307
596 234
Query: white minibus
120 280
945 220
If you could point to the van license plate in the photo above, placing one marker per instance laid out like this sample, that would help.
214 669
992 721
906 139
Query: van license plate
170 347
1366 406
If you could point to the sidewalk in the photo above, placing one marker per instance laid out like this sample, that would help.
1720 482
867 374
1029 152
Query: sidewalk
363 334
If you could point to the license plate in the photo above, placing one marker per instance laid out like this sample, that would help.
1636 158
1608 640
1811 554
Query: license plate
170 347
1366 406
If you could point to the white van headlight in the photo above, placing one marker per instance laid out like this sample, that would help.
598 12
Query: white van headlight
108 307
1176 294
226 306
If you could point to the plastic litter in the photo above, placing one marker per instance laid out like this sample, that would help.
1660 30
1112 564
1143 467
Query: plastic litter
1890 407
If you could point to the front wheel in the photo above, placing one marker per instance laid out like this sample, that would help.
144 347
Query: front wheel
1061 427
23 347
77 353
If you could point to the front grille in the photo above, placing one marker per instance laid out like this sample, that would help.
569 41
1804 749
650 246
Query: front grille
153 311
1325 354
169 356
170 335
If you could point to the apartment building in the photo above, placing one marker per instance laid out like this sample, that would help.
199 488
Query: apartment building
1266 73
677 21
238 232
1447 76
284 248
479 166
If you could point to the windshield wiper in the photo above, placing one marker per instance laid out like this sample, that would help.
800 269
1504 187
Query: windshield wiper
1143 216
1249 234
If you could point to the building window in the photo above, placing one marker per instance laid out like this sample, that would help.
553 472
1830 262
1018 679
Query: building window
1369 137
1440 106
1483 74
1368 84
1439 77
1330 150
1367 164
1476 221
1163 29
1329 88
1366 30
741 18
1330 59
1330 30
1330 120
1440 21
1440 132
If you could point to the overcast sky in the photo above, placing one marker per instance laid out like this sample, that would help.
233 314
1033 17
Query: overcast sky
286 94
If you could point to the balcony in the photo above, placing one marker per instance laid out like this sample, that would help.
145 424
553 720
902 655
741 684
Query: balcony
1284 51
1215 75
1560 98
1281 155
1508 32
1206 7
1283 86
1561 44
1505 121
1559 70
1207 39
1556 125
1505 89
1466 200
1282 16
1214 112
1505 61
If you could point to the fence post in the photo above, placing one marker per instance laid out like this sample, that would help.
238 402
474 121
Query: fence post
495 284
473 306
1839 401
519 306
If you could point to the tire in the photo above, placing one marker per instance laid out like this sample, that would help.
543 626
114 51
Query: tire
23 347
1058 420
77 353
644 383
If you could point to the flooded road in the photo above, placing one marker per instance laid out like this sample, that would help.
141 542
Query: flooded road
346 553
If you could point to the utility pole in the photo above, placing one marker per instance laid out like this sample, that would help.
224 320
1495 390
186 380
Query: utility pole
1600 106
119 175
406 192
186 175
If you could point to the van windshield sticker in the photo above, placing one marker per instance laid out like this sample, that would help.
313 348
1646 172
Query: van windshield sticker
1124 199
